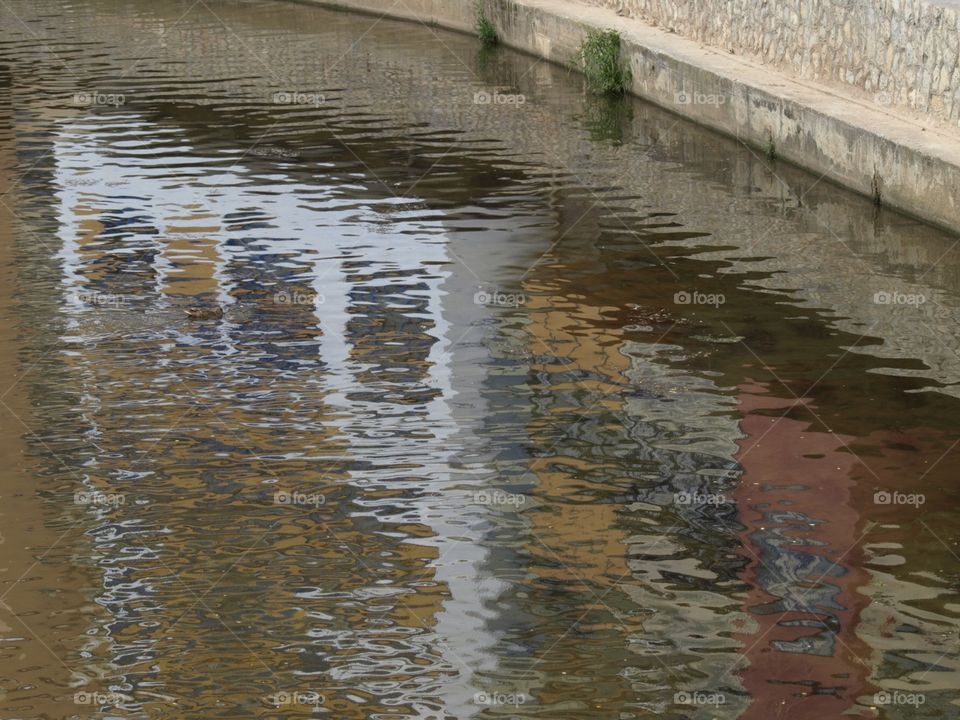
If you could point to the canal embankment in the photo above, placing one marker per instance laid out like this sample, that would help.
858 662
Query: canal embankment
878 132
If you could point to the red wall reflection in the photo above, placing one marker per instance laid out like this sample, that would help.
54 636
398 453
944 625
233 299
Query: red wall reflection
803 538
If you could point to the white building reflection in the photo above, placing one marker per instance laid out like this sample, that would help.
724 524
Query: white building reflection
147 234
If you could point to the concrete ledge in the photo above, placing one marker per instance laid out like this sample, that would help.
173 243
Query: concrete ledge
874 151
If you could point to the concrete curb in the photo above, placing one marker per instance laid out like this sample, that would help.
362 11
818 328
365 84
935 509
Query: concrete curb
876 152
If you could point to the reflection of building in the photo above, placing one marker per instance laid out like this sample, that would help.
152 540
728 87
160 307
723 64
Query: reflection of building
830 636
805 571
575 544
330 372
39 539
364 391
614 436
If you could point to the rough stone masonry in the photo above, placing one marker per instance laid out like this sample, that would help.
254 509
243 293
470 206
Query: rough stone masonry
903 53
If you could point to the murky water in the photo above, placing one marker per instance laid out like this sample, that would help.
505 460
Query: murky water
352 371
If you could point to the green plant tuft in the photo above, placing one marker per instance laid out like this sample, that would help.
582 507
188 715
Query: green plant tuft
485 28
599 60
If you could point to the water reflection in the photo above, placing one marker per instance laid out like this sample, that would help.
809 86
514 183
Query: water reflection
389 398
805 570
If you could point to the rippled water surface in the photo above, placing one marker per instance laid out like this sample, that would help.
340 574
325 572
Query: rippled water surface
351 370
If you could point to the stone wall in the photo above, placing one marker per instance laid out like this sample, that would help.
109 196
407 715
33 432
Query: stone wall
900 52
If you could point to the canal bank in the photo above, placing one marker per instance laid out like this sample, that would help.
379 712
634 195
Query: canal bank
898 159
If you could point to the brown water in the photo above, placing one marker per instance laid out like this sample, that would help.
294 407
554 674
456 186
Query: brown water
455 448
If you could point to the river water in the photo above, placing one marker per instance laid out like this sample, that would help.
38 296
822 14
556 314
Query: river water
351 370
